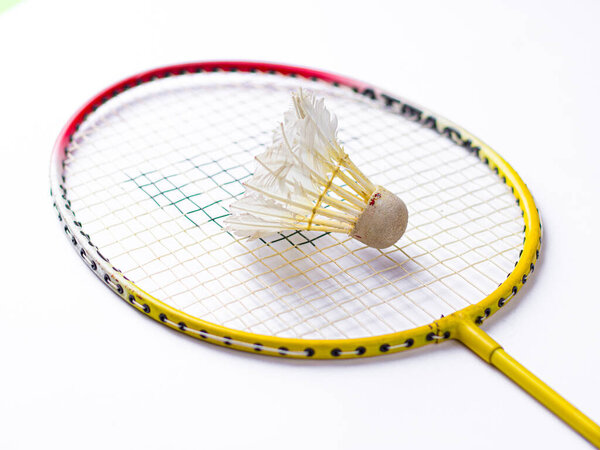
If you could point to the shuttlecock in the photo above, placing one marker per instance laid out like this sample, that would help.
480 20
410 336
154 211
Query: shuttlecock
305 181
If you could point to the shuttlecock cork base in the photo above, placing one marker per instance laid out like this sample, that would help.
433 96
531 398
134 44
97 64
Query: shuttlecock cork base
306 181
383 221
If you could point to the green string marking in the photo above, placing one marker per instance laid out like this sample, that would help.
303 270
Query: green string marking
214 211
150 182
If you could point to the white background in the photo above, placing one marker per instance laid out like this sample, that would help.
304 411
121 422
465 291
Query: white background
82 369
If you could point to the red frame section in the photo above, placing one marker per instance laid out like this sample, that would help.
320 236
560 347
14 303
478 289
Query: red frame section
195 67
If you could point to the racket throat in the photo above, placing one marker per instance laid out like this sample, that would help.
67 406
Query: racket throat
476 340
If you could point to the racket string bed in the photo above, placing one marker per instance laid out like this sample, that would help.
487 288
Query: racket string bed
204 184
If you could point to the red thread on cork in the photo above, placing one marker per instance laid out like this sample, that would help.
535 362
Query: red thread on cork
375 197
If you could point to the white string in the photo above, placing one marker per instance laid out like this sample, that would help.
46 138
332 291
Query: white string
151 173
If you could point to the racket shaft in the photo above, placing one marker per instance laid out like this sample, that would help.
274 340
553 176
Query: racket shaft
489 350
546 396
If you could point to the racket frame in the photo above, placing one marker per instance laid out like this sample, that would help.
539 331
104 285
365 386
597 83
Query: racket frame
448 327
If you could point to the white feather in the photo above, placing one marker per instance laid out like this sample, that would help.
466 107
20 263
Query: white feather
290 186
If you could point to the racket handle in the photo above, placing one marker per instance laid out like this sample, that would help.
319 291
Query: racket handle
488 349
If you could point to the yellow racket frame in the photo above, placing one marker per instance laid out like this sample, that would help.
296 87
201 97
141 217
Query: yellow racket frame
462 325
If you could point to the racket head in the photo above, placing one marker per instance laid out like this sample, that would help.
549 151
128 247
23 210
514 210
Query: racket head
104 107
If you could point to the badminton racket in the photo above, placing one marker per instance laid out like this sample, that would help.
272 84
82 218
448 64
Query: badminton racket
143 174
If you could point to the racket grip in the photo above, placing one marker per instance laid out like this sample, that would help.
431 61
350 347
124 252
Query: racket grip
479 342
